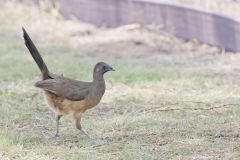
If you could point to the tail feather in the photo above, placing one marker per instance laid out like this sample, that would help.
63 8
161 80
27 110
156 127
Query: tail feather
35 54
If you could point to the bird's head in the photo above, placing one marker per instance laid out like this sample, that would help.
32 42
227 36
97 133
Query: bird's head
102 67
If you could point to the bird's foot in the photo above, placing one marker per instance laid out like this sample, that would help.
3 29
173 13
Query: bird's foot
91 138
97 140
94 139
57 136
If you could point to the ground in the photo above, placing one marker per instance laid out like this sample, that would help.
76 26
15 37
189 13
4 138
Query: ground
167 99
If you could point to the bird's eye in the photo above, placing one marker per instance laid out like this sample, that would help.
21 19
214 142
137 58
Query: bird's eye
104 67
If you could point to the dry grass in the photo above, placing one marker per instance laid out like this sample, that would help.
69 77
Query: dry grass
45 23
156 103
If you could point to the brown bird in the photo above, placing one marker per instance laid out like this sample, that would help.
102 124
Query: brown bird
65 95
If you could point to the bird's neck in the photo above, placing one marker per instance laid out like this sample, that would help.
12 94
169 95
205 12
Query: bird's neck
98 77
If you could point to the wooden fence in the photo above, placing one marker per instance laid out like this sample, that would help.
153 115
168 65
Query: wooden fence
181 21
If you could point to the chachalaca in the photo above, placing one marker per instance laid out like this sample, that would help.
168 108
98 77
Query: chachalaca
65 95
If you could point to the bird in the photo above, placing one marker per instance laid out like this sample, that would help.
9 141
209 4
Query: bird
67 96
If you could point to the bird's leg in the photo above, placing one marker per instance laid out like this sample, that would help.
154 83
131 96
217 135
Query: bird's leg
57 125
78 125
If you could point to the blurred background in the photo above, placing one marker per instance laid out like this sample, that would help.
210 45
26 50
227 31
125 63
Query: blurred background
174 95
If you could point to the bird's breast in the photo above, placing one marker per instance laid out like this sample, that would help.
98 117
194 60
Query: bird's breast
95 95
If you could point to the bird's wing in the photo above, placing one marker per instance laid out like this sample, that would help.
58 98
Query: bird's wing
71 89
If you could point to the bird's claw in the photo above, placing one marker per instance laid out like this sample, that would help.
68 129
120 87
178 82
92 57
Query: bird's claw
96 140
57 136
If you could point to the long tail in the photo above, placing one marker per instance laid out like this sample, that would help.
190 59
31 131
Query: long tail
35 54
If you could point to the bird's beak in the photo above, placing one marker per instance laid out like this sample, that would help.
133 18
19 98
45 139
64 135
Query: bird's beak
112 69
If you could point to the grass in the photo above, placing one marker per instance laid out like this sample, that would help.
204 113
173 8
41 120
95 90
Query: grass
129 116
156 105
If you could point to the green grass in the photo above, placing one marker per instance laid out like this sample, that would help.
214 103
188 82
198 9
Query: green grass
131 114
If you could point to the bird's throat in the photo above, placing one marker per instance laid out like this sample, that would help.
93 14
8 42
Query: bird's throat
98 77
